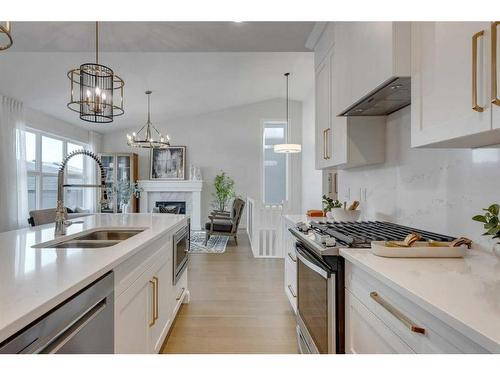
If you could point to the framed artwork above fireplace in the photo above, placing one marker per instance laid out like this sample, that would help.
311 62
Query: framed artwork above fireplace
168 163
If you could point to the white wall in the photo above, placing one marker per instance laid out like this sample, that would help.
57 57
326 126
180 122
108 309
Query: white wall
436 190
228 140
311 178
41 121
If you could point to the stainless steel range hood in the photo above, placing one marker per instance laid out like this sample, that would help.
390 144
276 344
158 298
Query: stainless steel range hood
389 97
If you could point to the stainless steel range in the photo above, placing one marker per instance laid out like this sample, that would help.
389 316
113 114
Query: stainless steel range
320 276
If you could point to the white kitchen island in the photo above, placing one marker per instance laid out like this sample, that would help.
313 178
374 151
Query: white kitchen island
35 280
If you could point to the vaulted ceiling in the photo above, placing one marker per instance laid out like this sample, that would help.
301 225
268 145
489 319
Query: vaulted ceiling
192 68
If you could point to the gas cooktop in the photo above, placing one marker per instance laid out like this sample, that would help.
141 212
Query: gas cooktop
325 238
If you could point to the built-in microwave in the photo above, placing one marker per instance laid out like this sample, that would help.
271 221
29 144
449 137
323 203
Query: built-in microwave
181 251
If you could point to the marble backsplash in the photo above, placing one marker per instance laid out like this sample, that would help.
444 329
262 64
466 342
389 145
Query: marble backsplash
433 189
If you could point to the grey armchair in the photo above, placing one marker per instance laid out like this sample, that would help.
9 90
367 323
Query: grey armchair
225 223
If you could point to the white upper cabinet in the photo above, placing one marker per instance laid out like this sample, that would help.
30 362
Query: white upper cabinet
323 113
367 55
346 142
452 85
495 74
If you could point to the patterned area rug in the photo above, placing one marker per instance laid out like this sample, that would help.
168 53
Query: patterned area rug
216 244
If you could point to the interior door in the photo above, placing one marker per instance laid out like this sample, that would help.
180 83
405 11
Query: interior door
123 174
108 162
442 80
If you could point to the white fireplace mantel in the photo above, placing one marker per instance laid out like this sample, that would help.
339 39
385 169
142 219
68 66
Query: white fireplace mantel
154 190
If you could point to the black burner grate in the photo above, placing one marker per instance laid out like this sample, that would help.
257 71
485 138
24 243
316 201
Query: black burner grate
362 233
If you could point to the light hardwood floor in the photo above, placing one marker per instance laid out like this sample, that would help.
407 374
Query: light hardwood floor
237 305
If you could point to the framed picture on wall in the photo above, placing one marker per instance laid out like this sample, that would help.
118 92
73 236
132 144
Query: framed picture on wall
168 163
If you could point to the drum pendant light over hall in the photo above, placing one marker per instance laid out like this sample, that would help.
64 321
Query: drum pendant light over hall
96 91
287 148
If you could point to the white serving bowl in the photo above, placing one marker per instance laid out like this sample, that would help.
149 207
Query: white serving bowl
339 214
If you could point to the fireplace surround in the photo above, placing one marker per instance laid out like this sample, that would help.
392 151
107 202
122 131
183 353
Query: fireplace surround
186 191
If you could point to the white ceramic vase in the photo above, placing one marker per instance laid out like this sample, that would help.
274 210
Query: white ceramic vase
126 209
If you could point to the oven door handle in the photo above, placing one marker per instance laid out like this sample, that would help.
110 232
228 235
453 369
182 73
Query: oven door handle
310 264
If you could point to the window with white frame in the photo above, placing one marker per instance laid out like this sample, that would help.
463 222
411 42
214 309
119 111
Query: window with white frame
43 155
275 168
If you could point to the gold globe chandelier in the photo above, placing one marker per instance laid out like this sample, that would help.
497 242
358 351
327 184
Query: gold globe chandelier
144 137
97 90
5 36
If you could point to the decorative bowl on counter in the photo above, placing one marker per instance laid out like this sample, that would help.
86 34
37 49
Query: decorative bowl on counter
340 214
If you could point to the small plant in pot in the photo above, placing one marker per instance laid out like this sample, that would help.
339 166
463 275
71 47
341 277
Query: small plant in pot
224 191
329 204
490 220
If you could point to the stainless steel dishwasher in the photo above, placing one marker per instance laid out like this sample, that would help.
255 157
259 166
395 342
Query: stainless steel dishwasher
84 323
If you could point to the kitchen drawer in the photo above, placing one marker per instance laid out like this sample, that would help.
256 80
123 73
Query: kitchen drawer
180 292
387 305
291 281
367 334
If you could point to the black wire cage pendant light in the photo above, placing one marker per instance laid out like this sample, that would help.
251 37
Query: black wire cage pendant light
96 91
5 35
144 137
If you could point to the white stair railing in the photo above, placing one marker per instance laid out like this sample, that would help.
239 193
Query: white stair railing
264 229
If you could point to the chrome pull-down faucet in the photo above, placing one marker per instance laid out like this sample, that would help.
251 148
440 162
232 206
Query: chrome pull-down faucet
61 225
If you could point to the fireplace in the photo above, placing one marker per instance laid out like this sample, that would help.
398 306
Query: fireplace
184 191
179 204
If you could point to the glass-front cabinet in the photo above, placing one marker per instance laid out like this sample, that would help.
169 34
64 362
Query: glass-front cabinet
119 168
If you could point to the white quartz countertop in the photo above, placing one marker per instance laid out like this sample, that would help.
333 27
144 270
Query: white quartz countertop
33 281
463 293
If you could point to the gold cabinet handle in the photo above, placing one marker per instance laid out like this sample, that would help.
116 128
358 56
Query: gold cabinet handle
324 144
153 310
292 257
291 291
475 106
180 294
494 68
157 282
327 143
397 314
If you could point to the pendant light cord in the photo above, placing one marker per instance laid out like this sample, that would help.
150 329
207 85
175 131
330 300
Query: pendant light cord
97 42
149 108
287 124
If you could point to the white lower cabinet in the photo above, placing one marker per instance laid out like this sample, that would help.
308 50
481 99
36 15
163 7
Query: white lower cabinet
161 325
180 294
365 333
147 301
133 315
288 243
380 320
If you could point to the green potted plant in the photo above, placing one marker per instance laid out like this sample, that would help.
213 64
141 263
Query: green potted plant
329 204
490 221
224 191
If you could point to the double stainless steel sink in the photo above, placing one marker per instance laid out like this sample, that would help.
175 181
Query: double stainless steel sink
92 240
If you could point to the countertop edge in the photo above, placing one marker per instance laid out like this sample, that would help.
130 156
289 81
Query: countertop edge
479 338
